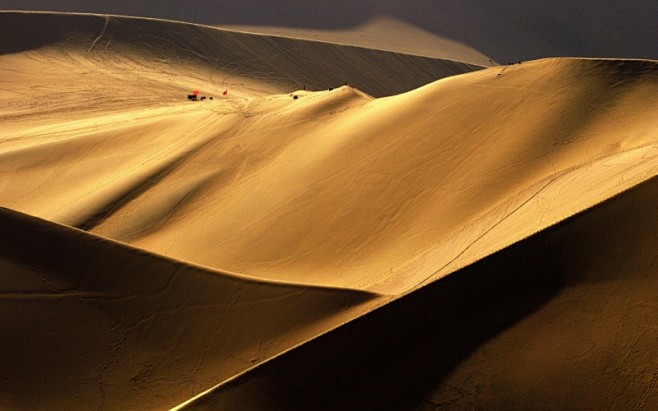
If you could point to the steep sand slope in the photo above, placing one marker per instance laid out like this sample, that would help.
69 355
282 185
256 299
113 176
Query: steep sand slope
563 320
89 323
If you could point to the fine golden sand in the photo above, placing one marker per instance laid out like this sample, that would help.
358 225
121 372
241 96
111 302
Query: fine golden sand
339 227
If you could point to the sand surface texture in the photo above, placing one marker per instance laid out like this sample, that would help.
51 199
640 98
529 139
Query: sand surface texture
340 227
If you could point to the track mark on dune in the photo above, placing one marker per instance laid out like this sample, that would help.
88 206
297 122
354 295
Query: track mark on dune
647 392
100 36
551 180
109 361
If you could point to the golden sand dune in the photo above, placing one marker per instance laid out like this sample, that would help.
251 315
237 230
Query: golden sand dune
156 250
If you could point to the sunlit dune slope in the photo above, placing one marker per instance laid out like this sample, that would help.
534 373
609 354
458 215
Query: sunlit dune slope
336 188
565 319
89 321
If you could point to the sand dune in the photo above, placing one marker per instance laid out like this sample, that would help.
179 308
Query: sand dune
333 188
157 251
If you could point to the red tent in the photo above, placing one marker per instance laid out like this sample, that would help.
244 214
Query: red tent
195 92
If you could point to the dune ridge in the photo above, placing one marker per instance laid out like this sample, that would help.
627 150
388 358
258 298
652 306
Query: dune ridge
113 317
158 252
382 32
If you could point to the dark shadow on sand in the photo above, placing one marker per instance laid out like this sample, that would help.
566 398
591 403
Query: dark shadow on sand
392 357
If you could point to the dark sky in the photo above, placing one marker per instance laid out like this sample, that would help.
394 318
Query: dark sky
504 29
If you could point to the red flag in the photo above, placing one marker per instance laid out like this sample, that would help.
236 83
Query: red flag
225 92
195 92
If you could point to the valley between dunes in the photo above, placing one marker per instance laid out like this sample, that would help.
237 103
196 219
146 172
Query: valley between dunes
337 228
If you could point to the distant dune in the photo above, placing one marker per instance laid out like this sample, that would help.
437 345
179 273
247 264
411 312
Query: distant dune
382 32
338 227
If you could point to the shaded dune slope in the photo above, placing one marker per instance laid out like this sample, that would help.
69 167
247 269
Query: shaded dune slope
565 319
89 321
184 54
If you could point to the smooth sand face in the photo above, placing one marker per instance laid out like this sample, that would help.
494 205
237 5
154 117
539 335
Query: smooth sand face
211 237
